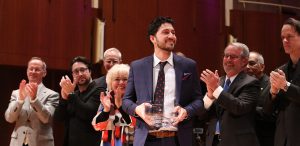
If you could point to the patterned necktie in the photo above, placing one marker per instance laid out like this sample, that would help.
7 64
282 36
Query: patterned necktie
225 88
160 85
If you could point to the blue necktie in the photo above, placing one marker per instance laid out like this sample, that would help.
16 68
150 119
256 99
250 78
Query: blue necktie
225 88
226 85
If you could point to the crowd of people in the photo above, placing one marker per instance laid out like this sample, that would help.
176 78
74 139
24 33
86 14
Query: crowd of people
154 101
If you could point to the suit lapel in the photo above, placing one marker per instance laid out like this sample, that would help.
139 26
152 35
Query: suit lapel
219 109
41 93
235 82
222 81
178 77
148 71
231 88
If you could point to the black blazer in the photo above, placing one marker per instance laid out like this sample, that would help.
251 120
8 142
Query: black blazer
265 123
101 82
78 112
287 104
236 113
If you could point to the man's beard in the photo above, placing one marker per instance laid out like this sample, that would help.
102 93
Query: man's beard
166 47
86 82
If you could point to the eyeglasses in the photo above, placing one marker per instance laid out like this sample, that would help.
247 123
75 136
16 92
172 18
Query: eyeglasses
79 70
231 56
38 70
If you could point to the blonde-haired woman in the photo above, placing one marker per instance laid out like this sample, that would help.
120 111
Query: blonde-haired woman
110 118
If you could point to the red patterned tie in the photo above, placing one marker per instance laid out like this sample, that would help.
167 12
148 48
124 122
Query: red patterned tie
160 86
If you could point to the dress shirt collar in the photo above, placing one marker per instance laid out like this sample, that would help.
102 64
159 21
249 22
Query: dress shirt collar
231 78
169 60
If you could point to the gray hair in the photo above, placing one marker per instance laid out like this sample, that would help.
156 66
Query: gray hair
114 50
43 62
260 58
243 47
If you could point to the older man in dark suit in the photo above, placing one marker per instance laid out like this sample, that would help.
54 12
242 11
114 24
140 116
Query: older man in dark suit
265 124
179 90
231 101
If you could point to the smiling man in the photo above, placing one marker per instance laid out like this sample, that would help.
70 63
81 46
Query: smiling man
230 100
111 57
78 107
164 79
32 107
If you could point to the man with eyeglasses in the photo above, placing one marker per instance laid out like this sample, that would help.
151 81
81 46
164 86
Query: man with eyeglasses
230 100
111 57
31 108
78 107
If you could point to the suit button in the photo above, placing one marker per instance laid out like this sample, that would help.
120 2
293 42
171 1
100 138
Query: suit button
24 132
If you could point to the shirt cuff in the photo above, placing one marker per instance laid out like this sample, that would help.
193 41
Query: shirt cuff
32 101
20 101
217 92
207 102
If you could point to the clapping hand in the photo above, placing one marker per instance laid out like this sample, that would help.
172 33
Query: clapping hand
277 81
27 90
105 101
22 91
31 89
67 86
211 80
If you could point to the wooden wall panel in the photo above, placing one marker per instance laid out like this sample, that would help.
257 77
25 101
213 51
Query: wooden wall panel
58 30
260 31
52 29
197 28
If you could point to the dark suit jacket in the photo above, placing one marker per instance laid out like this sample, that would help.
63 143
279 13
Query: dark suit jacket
265 123
140 89
236 111
288 106
101 82
78 112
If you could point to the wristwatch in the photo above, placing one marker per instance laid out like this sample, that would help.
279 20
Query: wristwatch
286 87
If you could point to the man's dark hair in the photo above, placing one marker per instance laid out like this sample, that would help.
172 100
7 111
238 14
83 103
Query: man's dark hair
83 60
157 22
294 23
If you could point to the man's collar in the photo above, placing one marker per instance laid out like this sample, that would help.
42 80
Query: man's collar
169 60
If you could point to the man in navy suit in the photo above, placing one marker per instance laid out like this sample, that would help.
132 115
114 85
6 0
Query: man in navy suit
182 94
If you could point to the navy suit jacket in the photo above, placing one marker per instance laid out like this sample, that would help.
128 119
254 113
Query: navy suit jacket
140 89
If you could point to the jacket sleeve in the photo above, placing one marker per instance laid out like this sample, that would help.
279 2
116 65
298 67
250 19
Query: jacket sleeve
14 107
45 111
